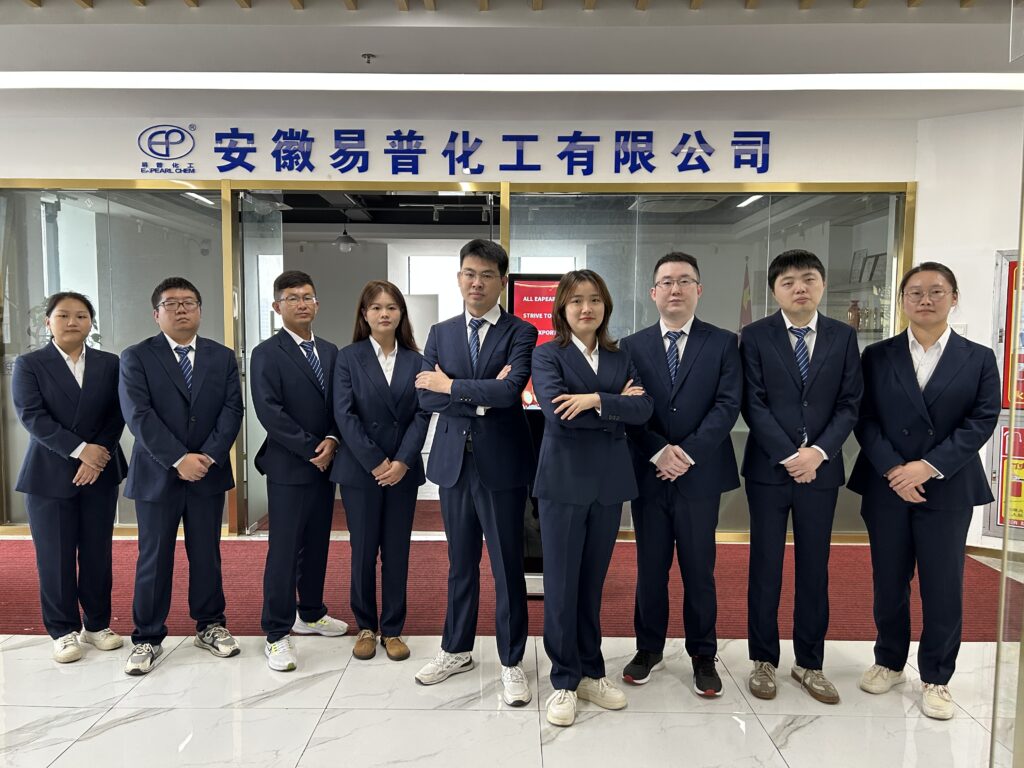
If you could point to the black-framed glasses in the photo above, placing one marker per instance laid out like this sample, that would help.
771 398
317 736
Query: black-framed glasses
171 305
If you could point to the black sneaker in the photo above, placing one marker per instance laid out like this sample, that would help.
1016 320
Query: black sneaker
638 671
706 681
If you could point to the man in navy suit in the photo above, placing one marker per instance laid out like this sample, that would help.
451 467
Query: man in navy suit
802 392
181 399
475 368
291 392
684 461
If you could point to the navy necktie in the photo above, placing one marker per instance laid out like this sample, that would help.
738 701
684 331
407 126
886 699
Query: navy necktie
314 362
803 360
672 353
186 366
474 339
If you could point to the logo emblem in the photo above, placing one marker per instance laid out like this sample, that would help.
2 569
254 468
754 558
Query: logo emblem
166 142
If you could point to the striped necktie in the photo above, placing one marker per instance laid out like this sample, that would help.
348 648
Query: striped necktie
186 366
672 353
803 360
314 362
474 339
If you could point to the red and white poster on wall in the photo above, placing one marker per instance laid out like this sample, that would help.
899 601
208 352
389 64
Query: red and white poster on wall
1013 370
531 298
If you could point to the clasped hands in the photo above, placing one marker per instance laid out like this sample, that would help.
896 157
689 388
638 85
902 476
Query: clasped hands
568 407
93 458
439 381
389 472
803 467
907 480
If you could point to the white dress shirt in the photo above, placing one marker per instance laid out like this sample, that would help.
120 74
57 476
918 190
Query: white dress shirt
592 358
809 338
925 362
78 371
680 346
387 361
492 316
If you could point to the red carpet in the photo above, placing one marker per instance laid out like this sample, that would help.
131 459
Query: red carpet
427 517
849 588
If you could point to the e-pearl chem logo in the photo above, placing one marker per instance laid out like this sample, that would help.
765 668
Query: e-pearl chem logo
166 143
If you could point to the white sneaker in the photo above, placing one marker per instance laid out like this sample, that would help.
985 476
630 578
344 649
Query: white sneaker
515 688
443 666
66 648
561 707
142 658
325 625
879 679
104 640
937 701
601 692
281 655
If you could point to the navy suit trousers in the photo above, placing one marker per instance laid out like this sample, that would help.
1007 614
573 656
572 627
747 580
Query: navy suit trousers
65 531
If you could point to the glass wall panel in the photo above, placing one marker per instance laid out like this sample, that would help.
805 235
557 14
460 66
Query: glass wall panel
113 246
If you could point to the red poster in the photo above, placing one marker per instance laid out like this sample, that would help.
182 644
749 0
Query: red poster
1012 369
531 298
1011 460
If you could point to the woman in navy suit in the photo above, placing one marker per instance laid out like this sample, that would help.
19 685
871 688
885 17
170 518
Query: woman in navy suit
378 464
589 390
931 401
66 396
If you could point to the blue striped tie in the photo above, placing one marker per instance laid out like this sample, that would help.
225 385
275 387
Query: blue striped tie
672 353
474 339
186 366
803 360
314 362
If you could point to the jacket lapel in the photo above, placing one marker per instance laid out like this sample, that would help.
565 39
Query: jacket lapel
371 366
826 335
953 357
57 367
165 355
298 357
694 344
898 351
575 360
491 341
200 369
401 377
653 345
460 342
780 339
94 373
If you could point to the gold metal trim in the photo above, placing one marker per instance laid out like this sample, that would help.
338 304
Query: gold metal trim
99 184
365 186
506 217
710 187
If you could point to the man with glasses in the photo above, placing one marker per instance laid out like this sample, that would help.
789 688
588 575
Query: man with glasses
181 399
291 392
476 366
684 461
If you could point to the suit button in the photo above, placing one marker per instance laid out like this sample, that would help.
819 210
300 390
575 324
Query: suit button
931 432
464 432
906 431
674 410
394 423
192 419
805 403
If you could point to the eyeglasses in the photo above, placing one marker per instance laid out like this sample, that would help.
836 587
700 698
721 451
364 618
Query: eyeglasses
469 275
294 301
683 282
171 305
935 294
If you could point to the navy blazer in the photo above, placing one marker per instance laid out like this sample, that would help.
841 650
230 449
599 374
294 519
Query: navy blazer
945 425
290 405
697 413
501 437
168 420
586 459
59 416
779 408
377 421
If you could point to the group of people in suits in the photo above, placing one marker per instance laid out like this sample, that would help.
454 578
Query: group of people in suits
646 420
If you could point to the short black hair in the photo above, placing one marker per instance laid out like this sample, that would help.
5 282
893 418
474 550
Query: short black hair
931 266
488 250
170 284
674 257
57 298
797 258
293 278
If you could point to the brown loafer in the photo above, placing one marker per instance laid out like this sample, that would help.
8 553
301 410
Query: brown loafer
395 648
366 645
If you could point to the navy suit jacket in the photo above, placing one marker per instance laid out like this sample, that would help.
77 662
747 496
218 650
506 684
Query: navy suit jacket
779 408
168 420
501 437
290 405
377 421
945 425
59 416
586 459
697 413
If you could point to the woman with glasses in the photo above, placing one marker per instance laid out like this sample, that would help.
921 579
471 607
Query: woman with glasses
66 397
589 390
378 465
931 401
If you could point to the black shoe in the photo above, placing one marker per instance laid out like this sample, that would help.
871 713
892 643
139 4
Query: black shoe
638 671
706 681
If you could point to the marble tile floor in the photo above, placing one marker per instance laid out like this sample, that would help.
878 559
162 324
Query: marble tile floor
196 710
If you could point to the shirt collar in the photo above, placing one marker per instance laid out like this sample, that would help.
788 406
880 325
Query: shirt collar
298 339
378 350
685 329
813 324
492 316
174 344
915 345
67 358
583 347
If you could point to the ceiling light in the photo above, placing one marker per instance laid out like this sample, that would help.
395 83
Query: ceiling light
199 199
749 200
345 241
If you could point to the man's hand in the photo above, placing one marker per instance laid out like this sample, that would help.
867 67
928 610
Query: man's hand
435 381
381 468
672 463
630 391
324 454
193 467
804 466
571 406
913 474
394 474
86 475
503 373
96 456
